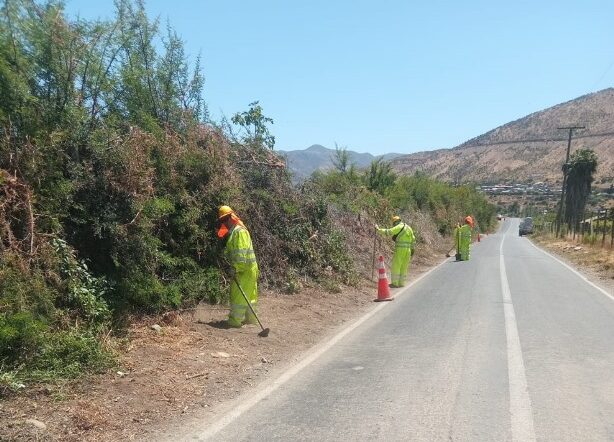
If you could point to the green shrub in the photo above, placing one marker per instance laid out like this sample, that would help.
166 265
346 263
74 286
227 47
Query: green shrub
109 200
9 382
21 335
146 293
86 293
203 285
336 255
23 289
69 354
292 283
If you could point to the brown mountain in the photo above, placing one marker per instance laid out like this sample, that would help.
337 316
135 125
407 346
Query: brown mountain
529 149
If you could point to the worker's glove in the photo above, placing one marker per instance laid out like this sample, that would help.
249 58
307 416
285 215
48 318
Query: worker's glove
376 227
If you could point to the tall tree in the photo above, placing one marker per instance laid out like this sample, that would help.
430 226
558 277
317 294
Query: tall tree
341 159
255 125
380 176
580 170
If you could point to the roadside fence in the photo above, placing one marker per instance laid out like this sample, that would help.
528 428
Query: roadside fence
596 228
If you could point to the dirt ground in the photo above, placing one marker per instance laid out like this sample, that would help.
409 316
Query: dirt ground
595 262
192 365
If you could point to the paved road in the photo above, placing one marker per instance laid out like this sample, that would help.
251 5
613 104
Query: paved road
510 345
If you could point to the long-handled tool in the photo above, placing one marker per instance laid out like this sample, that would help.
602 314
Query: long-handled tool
456 243
373 256
265 331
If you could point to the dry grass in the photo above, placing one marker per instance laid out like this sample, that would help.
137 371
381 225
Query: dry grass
597 262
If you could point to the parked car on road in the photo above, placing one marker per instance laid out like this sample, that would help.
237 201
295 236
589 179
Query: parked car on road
526 226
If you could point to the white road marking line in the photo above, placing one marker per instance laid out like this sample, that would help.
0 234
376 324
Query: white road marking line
520 403
580 275
246 402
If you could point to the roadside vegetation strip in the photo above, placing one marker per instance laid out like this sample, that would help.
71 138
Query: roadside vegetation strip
107 216
575 272
520 403
250 399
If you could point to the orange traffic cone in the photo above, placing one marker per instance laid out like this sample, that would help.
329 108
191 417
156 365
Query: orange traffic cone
478 236
383 291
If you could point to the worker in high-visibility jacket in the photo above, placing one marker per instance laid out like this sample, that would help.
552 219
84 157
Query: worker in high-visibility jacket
462 239
239 252
404 246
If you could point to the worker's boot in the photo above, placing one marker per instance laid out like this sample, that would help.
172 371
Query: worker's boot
233 323
249 317
236 316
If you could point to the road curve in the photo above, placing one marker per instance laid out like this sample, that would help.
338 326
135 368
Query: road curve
511 345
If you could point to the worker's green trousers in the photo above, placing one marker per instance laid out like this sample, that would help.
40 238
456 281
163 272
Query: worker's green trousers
463 242
400 263
239 311
464 253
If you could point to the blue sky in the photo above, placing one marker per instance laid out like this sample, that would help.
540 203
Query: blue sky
390 76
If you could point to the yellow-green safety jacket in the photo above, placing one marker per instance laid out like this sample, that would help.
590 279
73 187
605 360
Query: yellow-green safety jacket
405 238
404 243
239 250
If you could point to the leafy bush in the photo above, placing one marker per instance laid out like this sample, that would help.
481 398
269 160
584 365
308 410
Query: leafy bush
20 337
69 354
358 199
85 293
447 204
335 254
203 285
293 283
9 382
23 289
110 181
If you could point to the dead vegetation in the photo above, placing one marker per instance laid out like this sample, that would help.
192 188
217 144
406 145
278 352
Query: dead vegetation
595 261
17 231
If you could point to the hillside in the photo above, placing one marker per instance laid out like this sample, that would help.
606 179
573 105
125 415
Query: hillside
302 163
528 149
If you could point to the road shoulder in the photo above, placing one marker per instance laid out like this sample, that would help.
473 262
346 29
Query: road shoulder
594 264
190 370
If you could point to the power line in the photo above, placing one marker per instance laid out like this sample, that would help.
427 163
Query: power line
603 76
537 140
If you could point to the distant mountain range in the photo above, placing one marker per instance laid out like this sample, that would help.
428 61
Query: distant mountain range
302 163
530 149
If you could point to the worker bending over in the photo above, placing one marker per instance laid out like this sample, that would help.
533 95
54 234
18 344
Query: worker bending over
240 254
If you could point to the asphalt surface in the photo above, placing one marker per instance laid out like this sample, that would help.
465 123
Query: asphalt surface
511 345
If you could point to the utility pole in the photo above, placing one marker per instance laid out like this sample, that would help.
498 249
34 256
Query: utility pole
559 215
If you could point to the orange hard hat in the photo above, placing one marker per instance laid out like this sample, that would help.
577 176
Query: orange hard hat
469 220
